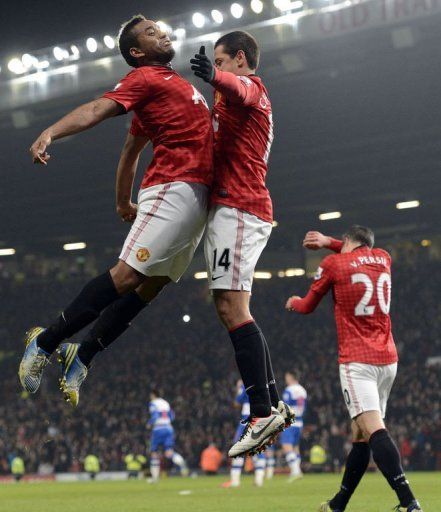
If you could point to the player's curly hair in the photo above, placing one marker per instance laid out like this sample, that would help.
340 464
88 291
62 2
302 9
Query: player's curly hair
361 234
239 40
127 39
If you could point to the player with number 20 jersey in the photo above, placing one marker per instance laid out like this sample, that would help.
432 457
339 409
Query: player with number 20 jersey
360 278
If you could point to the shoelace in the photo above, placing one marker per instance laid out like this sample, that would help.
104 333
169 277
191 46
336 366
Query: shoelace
40 362
246 422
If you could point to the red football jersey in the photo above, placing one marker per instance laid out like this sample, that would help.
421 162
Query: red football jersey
361 285
243 133
176 118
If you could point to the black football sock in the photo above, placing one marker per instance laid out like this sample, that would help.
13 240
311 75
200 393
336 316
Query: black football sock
387 457
113 321
272 386
85 308
250 357
357 463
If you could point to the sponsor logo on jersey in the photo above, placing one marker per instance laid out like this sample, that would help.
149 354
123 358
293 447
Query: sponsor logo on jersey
142 255
168 77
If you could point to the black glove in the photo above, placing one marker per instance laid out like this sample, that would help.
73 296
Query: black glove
202 66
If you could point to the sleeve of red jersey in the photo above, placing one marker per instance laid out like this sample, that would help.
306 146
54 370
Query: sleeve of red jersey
307 304
131 91
335 245
324 277
237 89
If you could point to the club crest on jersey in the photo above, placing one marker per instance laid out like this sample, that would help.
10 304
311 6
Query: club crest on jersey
142 255
217 97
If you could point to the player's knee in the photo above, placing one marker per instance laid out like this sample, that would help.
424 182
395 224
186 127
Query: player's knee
230 312
125 278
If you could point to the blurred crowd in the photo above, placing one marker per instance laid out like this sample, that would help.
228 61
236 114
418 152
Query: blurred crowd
192 364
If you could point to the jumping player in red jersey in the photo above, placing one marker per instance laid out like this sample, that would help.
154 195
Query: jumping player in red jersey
240 222
360 278
172 208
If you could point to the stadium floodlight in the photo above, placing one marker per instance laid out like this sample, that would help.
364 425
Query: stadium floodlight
180 33
42 64
16 66
7 252
186 318
330 215
407 204
60 53
198 20
295 272
75 51
200 275
298 5
275 223
109 42
281 273
217 16
426 243
76 246
29 60
262 275
236 10
256 6
91 45
283 5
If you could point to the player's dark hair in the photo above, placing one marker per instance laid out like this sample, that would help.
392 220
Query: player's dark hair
361 234
155 391
239 40
127 39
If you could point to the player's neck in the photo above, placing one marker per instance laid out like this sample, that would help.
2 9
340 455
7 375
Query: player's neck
155 63
245 72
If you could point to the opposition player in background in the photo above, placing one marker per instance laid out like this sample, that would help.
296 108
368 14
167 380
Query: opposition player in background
237 464
172 204
360 278
240 222
295 396
163 436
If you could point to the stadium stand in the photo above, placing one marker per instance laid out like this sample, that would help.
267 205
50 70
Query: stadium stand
192 363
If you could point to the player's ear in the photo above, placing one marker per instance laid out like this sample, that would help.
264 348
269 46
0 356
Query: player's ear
241 58
136 52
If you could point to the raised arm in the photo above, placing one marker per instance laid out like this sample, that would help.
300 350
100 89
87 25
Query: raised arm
125 175
314 240
82 118
237 89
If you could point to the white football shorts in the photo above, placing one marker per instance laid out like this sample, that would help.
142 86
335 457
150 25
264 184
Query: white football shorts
168 227
366 387
234 241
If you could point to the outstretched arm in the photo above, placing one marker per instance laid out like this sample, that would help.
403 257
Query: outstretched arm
305 305
125 175
323 281
82 118
314 240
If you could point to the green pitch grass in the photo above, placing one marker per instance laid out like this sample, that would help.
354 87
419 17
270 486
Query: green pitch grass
204 494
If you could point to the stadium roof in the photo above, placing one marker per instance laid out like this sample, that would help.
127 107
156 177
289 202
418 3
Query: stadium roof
357 131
